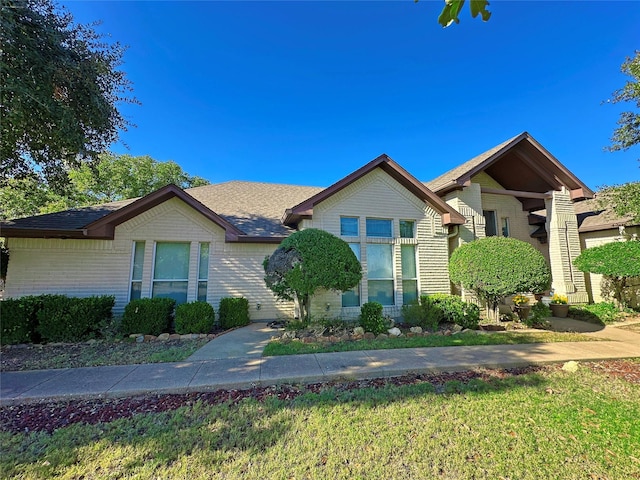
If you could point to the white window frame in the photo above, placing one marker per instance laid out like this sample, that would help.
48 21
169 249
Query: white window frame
133 261
153 269
203 279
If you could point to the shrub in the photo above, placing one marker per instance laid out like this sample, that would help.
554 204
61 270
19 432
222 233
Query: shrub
234 312
599 313
495 267
539 313
371 318
69 319
440 307
19 319
194 317
148 316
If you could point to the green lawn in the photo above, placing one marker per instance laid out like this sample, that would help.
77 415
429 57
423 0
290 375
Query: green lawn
496 338
545 425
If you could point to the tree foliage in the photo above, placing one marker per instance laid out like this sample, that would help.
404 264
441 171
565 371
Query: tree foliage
59 89
616 261
309 260
624 200
113 177
628 132
494 267
452 8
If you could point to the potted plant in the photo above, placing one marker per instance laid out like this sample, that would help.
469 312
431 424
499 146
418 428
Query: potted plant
559 306
521 306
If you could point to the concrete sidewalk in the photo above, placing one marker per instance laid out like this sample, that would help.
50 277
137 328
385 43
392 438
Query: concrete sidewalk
248 371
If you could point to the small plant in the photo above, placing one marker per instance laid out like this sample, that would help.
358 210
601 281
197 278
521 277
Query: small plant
559 299
148 316
194 317
520 300
598 313
371 318
538 318
234 312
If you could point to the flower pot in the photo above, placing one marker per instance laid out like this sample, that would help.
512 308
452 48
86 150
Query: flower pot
522 311
560 310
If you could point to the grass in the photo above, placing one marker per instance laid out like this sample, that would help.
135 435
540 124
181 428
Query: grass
544 425
497 338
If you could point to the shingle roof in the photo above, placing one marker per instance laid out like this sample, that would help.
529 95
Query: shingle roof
591 217
255 208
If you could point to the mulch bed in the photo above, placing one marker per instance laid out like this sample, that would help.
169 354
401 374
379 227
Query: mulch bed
49 416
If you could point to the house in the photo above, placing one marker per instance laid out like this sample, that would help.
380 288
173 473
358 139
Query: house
209 242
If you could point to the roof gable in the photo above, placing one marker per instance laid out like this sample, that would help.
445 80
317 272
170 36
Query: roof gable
393 169
520 164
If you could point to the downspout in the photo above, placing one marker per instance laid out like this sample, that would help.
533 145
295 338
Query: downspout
456 231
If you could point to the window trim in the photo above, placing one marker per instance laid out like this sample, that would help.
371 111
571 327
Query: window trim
203 280
133 261
415 279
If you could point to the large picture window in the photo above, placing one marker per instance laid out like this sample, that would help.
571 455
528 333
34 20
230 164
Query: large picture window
171 271
136 271
380 273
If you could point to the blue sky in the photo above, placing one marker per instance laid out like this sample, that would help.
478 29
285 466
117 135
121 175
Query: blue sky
306 92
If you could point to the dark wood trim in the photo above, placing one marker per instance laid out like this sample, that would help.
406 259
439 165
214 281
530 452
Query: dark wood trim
514 193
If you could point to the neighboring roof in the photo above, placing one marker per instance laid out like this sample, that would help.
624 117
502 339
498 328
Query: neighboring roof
305 209
592 218
520 164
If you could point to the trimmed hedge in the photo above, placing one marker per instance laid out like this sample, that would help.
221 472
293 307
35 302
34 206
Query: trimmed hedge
54 318
19 319
67 319
371 318
194 317
148 316
234 312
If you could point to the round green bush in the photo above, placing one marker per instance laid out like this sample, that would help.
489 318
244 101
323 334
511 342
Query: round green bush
371 318
194 317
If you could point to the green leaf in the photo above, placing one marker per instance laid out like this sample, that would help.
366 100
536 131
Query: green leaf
480 7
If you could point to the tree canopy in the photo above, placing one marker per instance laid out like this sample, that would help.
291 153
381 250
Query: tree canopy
624 200
452 8
113 177
309 260
495 267
59 90
617 262
628 132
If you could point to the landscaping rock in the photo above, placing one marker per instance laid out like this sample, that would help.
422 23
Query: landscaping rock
571 366
358 331
140 338
163 337
369 336
345 338
308 340
415 329
456 329
394 332
174 336
149 338
382 336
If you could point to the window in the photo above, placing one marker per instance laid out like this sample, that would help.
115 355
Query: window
409 274
136 271
505 227
171 271
349 227
491 225
380 273
407 228
203 272
351 298
377 227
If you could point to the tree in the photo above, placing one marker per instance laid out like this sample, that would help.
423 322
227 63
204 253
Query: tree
624 200
628 132
452 8
618 262
113 177
495 267
59 90
309 260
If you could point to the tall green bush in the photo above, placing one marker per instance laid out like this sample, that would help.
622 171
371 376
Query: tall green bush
495 267
148 316
70 319
371 319
234 312
194 317
618 262
19 319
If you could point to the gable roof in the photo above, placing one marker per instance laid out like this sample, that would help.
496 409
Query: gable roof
520 164
305 209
